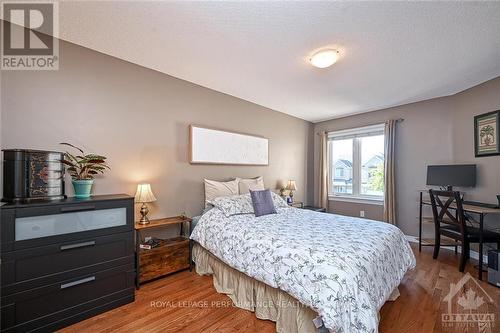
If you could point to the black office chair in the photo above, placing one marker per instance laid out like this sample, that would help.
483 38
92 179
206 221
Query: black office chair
450 221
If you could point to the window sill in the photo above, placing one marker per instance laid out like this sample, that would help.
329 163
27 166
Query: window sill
362 200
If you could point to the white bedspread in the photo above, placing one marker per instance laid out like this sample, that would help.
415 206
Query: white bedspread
344 268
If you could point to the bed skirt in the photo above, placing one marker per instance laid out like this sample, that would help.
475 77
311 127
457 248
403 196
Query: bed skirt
267 302
247 293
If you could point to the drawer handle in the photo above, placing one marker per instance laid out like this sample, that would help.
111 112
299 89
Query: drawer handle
77 208
77 245
77 282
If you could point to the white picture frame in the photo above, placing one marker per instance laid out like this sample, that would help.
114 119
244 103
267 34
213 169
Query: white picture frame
215 146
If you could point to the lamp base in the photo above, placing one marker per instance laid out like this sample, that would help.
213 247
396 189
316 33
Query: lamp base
144 213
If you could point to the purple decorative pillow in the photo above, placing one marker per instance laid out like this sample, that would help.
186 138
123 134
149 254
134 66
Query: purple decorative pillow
262 202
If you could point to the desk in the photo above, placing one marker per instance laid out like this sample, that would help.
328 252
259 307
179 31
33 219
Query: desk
471 209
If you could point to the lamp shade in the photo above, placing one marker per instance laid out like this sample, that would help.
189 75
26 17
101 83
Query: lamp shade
144 193
291 186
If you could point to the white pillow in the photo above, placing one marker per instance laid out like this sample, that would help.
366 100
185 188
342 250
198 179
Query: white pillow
215 189
278 201
234 204
242 204
254 184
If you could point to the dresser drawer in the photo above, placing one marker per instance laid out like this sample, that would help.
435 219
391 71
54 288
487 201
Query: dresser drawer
28 227
42 306
33 267
59 224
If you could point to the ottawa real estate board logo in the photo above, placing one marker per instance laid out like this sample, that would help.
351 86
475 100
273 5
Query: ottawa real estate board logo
469 308
27 36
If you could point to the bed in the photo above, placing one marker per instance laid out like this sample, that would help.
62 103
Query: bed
339 270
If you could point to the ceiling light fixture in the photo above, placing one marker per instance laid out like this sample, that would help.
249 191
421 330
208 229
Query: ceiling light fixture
324 58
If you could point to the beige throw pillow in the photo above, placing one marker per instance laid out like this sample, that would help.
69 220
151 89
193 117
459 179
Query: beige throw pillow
215 189
254 184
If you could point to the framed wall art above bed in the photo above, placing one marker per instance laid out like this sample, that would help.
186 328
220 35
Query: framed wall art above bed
214 146
487 134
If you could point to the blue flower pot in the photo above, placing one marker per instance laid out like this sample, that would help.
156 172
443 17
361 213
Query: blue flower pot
82 188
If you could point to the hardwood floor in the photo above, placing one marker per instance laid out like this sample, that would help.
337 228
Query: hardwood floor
186 302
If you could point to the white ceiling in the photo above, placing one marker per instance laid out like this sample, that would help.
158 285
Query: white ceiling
392 53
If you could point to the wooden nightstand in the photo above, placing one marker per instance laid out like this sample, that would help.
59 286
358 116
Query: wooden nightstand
172 255
297 204
315 209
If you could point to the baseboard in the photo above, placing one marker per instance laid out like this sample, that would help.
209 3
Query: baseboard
472 254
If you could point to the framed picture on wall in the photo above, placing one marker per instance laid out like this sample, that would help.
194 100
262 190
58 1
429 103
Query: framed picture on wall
487 134
214 146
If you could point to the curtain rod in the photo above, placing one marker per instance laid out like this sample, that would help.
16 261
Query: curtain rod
398 120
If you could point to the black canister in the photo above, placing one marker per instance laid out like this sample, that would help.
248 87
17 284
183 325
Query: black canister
32 175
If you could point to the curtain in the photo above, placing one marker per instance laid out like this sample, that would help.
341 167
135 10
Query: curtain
389 172
322 194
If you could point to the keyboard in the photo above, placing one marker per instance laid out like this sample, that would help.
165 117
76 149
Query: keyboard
480 204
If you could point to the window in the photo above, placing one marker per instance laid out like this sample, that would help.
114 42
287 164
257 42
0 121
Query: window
356 160
342 163
339 172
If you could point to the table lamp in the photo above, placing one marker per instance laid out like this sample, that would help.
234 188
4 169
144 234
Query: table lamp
144 195
291 186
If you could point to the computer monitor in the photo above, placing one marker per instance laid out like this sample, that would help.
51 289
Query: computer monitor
463 175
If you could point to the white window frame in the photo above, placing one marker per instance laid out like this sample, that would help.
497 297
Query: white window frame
356 134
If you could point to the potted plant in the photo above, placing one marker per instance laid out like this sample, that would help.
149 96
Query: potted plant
82 168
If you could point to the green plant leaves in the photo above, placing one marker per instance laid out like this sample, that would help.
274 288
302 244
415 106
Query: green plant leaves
84 166
69 144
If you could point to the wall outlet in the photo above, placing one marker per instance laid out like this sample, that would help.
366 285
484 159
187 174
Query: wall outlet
362 213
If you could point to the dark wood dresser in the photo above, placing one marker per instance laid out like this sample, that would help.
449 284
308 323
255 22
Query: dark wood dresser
65 260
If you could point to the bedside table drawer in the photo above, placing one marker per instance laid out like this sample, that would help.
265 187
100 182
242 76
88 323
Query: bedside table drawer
30 268
167 258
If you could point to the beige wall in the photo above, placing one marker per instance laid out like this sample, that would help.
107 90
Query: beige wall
372 212
139 118
466 105
436 131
